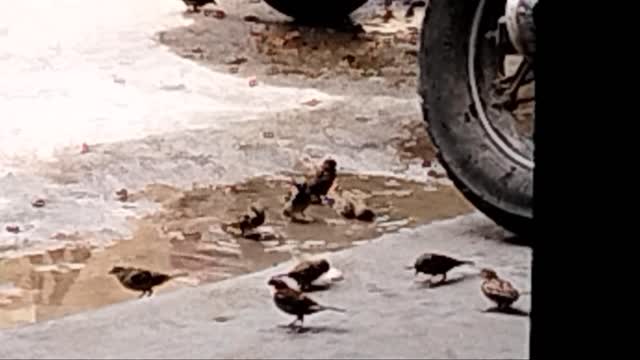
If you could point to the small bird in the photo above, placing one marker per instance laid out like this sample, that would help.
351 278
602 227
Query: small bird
197 4
350 210
298 202
294 302
250 221
308 271
321 182
140 279
498 290
437 264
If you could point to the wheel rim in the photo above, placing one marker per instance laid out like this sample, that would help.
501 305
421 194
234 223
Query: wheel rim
502 142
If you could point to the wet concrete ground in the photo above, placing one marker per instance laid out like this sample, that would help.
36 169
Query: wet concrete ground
205 129
186 236
354 101
390 314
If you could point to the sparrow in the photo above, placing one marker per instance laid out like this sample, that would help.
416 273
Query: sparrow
498 290
437 264
196 4
321 182
306 272
250 221
298 202
137 279
349 210
294 302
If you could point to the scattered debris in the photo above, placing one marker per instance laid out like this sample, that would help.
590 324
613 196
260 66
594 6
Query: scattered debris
396 193
268 134
122 195
253 81
434 174
85 148
236 60
312 102
391 183
118 80
38 203
216 13
309 244
192 236
291 35
395 224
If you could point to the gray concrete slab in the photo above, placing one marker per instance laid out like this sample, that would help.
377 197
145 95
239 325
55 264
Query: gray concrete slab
389 315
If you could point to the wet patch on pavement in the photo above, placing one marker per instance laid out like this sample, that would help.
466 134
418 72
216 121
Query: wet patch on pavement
185 235
255 41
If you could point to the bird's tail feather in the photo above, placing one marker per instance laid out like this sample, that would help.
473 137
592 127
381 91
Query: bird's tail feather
225 226
181 274
333 308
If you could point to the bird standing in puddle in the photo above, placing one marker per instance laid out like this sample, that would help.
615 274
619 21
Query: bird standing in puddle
297 203
322 181
249 222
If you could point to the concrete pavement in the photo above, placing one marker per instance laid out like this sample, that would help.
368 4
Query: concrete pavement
389 315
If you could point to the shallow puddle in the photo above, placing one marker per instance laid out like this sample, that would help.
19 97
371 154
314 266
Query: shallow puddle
185 235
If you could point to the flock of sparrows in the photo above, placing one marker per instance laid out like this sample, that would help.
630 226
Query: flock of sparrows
314 191
293 301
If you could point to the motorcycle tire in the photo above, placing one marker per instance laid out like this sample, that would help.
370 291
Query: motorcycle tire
491 180
316 11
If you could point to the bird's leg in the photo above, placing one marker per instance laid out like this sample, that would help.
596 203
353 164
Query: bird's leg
428 279
293 323
443 279
301 327
142 294
149 292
